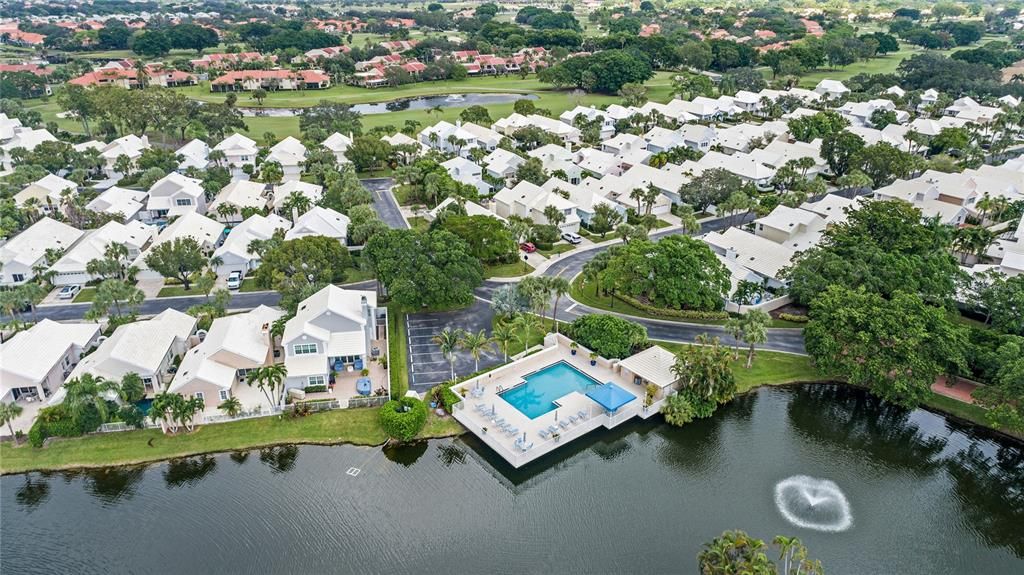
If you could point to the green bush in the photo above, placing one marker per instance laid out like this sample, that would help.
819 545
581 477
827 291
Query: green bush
608 335
36 435
314 388
680 313
444 396
403 418
797 318
132 416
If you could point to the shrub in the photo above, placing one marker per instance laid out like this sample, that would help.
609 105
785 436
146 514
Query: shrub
608 335
667 312
403 418
797 318
444 396
677 410
132 416
314 388
36 435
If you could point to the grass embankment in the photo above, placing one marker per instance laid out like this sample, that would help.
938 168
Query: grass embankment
512 270
87 295
769 368
556 249
398 347
586 294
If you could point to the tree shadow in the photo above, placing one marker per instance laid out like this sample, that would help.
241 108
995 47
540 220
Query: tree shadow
405 454
188 471
113 484
990 492
281 458
34 492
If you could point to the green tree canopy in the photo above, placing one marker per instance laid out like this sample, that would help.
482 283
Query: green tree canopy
433 269
608 335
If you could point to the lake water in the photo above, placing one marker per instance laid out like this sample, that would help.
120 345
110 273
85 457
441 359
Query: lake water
924 495
423 103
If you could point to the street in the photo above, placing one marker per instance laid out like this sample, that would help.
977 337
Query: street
384 202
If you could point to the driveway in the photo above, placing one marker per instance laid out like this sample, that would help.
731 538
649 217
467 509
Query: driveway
427 365
384 202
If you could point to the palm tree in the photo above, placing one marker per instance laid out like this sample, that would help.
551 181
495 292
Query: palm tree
972 240
503 335
185 410
132 389
231 406
554 215
525 323
296 202
226 210
272 377
559 287
755 330
476 344
449 340
734 327
8 413
86 390
638 195
160 410
687 219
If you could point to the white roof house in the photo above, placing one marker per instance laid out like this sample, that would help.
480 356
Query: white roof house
71 267
131 146
501 163
115 200
652 365
564 132
966 108
194 154
239 194
23 138
598 162
47 192
235 253
206 232
145 347
472 209
458 137
320 221
290 153
35 361
239 151
312 192
174 195
8 126
338 144
400 139
832 207
793 227
760 255
465 171
748 167
895 91
213 369
528 200
739 138
622 143
28 249
591 114
554 158
583 197
831 89
334 325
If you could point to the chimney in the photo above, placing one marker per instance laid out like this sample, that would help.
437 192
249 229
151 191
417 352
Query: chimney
295 215
458 123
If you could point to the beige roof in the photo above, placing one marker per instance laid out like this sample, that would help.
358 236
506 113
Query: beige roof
654 364
32 353
755 253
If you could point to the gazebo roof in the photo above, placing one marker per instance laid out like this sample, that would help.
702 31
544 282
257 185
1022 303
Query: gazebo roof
653 364
610 396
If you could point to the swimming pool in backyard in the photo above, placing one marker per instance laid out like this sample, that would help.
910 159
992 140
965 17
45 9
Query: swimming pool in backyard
537 396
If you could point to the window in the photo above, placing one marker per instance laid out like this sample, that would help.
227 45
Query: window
224 395
17 278
183 202
315 380
199 395
304 348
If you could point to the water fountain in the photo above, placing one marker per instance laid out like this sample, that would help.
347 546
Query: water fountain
813 503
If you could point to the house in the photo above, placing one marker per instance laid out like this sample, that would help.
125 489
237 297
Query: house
833 208
744 137
527 200
290 154
156 74
502 164
596 163
129 204
831 89
622 143
694 136
924 194
130 146
591 114
749 167
8 127
400 139
454 138
34 362
338 144
333 330
565 133
327 53
194 154
757 254
311 192
217 368
585 199
22 255
928 98
666 179
466 172
234 252
71 267
277 79
792 227
226 60
147 348
206 232
320 221
174 195
233 198
472 209
967 108
46 193
895 91
26 138
859 113
555 158
239 151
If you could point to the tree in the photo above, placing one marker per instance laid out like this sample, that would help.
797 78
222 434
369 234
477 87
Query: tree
839 149
189 36
434 268
503 334
88 392
1003 300
259 94
606 71
605 219
230 406
884 163
297 266
532 170
896 347
119 294
150 43
178 259
524 324
476 344
448 341
132 389
754 330
329 117
633 94
705 375
8 413
488 238
368 153
820 125
478 115
271 172
559 287
269 379
711 187
608 335
736 552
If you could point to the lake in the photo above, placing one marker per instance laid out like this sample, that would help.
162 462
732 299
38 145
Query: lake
869 487
402 104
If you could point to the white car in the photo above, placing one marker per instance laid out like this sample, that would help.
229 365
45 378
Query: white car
235 280
69 292
572 238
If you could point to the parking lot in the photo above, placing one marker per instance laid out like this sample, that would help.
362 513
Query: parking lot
427 365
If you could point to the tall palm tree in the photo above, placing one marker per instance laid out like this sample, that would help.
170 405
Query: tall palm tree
230 406
558 286
160 410
524 324
449 340
755 330
296 202
687 219
86 390
476 344
272 376
734 327
8 413
132 389
503 335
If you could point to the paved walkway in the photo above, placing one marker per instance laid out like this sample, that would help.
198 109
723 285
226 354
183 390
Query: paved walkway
960 391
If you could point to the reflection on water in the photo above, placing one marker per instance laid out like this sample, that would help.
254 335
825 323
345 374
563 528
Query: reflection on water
421 103
928 495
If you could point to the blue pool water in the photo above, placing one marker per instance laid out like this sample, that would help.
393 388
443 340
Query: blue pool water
537 396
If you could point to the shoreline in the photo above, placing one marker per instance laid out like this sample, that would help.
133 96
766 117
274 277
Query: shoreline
437 428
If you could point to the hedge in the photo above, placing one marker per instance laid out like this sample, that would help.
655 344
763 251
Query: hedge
797 318
681 313
403 418
314 388
444 393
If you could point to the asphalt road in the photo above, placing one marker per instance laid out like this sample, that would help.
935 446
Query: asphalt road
384 201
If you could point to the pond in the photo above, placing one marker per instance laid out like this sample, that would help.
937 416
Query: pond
870 488
400 105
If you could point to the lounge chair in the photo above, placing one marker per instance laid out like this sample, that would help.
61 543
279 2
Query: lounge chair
512 431
563 424
552 429
544 434
573 419
498 421
582 415
525 446
480 407
504 425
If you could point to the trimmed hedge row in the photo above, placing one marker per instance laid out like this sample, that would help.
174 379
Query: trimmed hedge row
793 317
403 418
314 388
680 313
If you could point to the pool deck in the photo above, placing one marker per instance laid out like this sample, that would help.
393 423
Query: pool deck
483 422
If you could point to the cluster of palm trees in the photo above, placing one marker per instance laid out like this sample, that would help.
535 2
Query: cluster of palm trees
750 328
172 410
452 340
270 380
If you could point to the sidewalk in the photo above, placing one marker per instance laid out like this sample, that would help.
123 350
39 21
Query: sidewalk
960 391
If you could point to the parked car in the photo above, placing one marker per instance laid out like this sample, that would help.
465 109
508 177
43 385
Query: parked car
69 291
235 280
528 247
572 238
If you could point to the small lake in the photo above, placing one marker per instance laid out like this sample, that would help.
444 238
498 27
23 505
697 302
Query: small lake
919 494
422 103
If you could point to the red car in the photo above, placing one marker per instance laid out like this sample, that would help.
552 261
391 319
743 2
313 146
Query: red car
528 247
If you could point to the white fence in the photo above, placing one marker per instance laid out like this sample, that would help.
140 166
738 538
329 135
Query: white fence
767 305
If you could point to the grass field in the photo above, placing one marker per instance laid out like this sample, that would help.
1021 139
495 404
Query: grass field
398 352
87 295
769 368
512 270
176 291
557 249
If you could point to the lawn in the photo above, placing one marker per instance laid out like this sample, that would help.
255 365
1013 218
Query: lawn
354 426
248 285
87 295
398 359
418 223
176 291
557 249
512 270
769 368
516 346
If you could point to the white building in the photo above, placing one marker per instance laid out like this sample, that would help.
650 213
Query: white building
234 251
311 192
757 254
565 133
206 232
528 200
239 151
290 153
71 267
591 113
174 195
35 361
338 144
26 138
831 89
502 164
466 172
194 154
26 251
795 228
239 194
129 204
320 221
47 193
130 146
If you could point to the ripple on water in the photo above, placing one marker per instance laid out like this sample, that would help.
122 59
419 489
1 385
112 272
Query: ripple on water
813 503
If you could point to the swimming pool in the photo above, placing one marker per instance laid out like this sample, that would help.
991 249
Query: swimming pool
537 396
